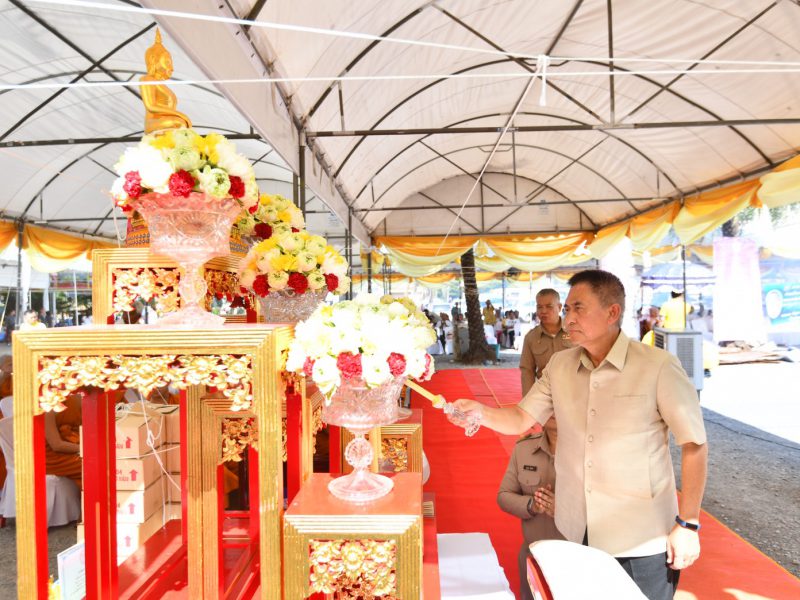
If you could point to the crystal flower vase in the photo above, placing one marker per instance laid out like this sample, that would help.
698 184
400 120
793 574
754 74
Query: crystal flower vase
358 408
191 231
285 306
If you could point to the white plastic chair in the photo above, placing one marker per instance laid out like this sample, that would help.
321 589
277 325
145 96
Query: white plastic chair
572 571
63 496
7 406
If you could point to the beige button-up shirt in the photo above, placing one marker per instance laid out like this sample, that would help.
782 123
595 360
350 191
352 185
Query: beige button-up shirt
614 471
537 348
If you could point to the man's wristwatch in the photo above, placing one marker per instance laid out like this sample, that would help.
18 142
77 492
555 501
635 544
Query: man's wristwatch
687 524
530 506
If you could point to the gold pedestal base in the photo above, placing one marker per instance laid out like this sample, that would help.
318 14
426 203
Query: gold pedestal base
333 546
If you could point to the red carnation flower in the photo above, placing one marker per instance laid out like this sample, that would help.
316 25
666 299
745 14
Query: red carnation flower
237 187
253 209
428 373
263 231
243 290
332 281
298 282
133 184
219 295
349 365
237 301
295 230
308 366
181 183
397 364
261 285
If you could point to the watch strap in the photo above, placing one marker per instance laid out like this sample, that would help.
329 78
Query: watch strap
687 524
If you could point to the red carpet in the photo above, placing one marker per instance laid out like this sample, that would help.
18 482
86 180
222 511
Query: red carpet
466 472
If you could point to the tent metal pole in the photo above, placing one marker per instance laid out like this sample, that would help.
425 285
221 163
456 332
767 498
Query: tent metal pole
369 271
685 291
20 233
545 128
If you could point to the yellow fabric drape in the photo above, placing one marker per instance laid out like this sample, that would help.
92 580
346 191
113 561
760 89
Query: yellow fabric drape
437 278
8 231
539 253
782 185
484 276
607 238
704 253
422 256
702 214
51 251
529 276
494 264
648 229
377 259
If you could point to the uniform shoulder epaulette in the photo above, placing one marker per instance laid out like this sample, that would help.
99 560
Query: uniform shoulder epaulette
530 436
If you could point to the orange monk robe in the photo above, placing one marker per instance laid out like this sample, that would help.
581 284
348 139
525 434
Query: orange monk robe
68 423
6 389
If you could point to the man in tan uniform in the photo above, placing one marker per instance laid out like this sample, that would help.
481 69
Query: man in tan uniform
616 401
543 340
527 492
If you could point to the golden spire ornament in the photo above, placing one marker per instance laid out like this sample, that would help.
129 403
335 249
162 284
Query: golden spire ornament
159 101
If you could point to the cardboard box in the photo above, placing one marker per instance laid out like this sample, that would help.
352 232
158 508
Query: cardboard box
131 432
173 495
171 455
137 506
174 511
172 422
132 535
137 473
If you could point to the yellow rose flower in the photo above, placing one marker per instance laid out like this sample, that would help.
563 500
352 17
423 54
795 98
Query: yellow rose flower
164 141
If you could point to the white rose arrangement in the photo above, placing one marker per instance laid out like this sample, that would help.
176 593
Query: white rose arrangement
370 338
179 162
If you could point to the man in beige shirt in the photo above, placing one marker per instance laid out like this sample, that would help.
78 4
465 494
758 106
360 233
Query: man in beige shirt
543 340
616 401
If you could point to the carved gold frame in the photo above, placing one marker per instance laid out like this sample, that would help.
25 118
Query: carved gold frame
106 260
407 434
316 516
262 343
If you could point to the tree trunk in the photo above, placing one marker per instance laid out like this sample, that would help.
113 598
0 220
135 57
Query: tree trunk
478 348
731 227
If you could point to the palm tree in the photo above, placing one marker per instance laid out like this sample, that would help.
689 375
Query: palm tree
479 350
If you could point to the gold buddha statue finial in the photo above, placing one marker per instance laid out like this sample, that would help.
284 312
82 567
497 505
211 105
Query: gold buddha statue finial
160 102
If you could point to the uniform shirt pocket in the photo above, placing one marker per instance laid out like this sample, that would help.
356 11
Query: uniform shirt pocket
529 481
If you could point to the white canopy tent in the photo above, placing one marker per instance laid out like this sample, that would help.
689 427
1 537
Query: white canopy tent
390 128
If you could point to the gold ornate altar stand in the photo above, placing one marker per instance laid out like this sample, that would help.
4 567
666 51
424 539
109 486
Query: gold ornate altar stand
242 363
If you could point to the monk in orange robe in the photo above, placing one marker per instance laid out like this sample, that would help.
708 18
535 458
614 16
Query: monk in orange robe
61 433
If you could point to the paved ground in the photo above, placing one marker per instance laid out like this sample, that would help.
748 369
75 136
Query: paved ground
752 415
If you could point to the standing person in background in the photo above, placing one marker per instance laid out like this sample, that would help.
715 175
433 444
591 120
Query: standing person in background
543 340
489 315
673 312
616 401
10 324
527 492
31 321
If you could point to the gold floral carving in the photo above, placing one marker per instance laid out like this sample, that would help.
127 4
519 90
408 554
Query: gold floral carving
395 450
317 425
237 435
353 569
60 376
223 283
145 283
